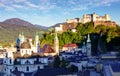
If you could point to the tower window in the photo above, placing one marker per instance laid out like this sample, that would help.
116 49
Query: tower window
27 68
38 67
10 61
16 68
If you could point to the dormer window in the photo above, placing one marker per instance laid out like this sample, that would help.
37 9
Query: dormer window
27 62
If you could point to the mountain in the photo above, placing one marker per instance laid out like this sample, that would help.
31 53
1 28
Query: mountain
20 22
17 21
42 27
11 28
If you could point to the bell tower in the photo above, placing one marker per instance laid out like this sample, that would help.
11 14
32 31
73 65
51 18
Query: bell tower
37 44
88 45
56 44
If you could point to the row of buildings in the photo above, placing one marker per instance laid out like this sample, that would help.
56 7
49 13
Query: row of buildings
26 57
28 61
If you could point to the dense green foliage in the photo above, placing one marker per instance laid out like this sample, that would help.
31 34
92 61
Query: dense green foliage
101 36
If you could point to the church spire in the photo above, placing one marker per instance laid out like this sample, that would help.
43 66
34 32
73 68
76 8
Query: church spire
88 46
56 44
88 39
37 44
56 37
36 37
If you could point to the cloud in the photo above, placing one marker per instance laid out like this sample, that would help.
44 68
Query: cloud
17 6
98 3
10 8
29 4
1 4
75 5
20 1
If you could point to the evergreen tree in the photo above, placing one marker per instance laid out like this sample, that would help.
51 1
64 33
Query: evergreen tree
56 62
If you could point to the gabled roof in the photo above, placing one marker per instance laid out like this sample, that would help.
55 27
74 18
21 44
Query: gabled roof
47 49
70 45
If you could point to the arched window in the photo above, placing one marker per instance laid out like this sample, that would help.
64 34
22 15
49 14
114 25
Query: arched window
27 62
10 70
16 68
38 67
27 68
10 61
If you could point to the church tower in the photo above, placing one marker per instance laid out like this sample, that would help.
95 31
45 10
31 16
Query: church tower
37 44
88 45
56 44
22 38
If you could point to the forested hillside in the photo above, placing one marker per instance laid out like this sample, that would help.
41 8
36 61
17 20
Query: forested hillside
103 38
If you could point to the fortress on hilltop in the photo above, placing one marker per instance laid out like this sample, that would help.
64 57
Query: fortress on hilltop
97 20
89 18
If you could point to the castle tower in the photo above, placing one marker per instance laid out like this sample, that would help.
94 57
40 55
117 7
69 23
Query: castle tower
94 17
88 45
56 44
107 17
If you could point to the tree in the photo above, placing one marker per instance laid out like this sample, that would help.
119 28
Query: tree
111 33
73 68
63 63
56 62
89 27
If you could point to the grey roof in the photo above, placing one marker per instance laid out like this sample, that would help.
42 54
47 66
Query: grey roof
52 72
84 73
18 73
115 67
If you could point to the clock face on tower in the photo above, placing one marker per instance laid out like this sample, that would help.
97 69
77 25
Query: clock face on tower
88 45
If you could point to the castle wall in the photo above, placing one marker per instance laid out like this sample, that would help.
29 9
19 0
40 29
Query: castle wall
106 23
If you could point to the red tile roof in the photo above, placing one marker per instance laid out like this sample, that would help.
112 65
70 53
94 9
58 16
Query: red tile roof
70 45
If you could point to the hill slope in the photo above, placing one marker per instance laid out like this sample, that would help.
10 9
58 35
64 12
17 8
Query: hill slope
17 21
11 28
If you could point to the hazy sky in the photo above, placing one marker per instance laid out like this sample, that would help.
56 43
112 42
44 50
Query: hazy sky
50 12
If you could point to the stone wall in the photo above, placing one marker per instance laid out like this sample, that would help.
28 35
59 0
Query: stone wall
106 23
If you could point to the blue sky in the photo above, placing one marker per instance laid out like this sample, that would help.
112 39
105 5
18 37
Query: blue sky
50 12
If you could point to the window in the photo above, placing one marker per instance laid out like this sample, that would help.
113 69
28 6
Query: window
38 67
27 68
27 62
10 61
10 70
16 68
4 61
